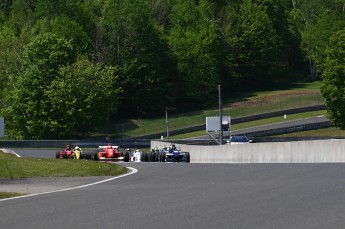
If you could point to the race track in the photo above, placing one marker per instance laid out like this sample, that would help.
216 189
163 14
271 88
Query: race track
168 195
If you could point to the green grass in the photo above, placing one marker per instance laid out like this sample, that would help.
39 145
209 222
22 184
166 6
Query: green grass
325 132
4 195
299 95
256 123
14 167
290 117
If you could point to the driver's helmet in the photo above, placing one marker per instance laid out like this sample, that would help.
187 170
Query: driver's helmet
77 148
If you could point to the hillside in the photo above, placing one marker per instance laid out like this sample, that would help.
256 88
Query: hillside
67 68
302 94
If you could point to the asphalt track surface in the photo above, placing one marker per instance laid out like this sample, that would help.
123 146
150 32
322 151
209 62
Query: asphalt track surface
178 195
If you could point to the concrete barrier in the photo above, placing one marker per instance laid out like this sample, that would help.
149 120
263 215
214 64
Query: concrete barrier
318 151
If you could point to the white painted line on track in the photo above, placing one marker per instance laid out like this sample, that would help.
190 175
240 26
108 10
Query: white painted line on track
10 152
133 171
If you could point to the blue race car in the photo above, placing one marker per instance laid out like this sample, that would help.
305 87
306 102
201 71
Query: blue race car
175 154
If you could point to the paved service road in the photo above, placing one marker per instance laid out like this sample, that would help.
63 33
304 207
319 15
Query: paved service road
167 195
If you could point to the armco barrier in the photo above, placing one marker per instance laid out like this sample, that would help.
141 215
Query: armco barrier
123 143
318 151
237 120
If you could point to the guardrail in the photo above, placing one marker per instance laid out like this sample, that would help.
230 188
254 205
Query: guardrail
237 120
125 143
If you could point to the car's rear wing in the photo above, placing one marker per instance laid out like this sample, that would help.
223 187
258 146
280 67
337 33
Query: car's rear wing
103 147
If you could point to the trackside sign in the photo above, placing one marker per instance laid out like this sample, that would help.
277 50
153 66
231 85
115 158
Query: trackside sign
2 127
213 123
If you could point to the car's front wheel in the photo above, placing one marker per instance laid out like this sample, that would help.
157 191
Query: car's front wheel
96 156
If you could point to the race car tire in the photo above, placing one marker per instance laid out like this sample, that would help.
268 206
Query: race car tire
187 157
163 157
126 157
57 154
147 157
64 155
96 156
154 157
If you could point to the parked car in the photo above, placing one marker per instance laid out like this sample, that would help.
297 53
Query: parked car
240 139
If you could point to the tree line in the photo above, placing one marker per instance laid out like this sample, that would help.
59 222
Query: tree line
69 66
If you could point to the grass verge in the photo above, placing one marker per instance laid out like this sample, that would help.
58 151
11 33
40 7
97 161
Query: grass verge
256 123
13 167
4 195
302 94
325 132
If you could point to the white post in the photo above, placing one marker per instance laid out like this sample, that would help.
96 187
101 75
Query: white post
2 127
167 123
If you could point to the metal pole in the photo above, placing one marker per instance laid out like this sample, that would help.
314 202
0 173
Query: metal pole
167 123
220 116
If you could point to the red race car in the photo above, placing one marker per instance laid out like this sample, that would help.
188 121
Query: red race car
108 152
66 153
69 153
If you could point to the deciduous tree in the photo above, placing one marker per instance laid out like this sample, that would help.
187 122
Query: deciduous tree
82 97
195 42
29 109
333 87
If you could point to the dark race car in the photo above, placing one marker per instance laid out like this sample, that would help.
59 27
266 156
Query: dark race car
155 155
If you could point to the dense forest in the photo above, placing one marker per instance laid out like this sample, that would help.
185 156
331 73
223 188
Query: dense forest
68 66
